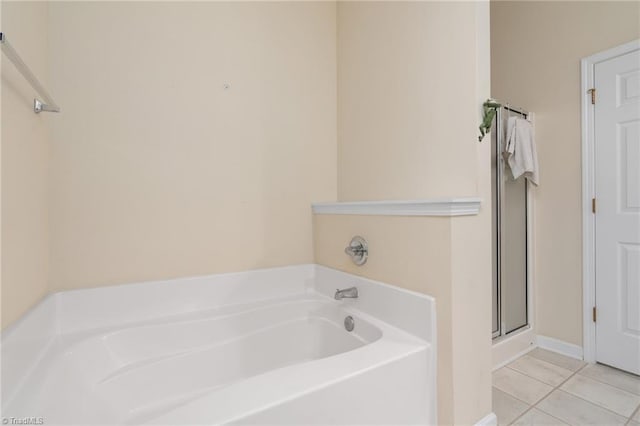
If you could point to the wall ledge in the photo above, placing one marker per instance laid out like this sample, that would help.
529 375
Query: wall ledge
461 206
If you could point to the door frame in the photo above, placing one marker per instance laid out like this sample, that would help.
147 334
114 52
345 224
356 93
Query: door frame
588 192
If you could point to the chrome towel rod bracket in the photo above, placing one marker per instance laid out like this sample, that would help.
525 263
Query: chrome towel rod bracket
47 103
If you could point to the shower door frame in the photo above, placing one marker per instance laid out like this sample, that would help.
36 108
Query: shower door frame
500 335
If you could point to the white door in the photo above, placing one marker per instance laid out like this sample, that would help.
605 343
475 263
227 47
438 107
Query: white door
617 219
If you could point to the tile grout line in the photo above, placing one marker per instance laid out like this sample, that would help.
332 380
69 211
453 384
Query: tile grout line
538 380
601 406
609 384
535 404
571 393
586 364
531 408
630 419
586 400
573 373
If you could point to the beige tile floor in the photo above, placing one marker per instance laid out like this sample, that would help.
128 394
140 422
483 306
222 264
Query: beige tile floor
545 388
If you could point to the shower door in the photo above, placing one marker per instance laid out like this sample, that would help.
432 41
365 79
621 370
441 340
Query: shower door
510 269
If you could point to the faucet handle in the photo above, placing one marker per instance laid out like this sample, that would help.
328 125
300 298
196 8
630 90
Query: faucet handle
353 251
358 250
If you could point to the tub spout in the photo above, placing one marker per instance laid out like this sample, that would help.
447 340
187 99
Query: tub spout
350 293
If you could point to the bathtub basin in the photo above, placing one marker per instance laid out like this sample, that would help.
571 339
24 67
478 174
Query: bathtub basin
259 347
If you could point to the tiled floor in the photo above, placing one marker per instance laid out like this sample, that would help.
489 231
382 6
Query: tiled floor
545 388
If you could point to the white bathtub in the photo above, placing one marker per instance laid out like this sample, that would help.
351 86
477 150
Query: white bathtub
259 347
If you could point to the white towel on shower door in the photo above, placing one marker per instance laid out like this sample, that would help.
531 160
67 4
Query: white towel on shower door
521 149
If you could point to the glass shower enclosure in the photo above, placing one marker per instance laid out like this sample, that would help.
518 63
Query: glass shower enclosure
510 239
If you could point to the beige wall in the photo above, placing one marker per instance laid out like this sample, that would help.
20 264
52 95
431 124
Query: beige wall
25 150
420 58
536 49
408 110
157 171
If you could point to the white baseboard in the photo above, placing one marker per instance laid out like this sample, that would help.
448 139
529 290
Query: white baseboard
559 346
488 420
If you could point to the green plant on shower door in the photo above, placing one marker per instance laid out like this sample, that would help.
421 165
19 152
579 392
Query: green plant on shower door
489 112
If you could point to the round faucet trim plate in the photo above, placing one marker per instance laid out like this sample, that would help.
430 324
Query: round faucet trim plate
358 250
